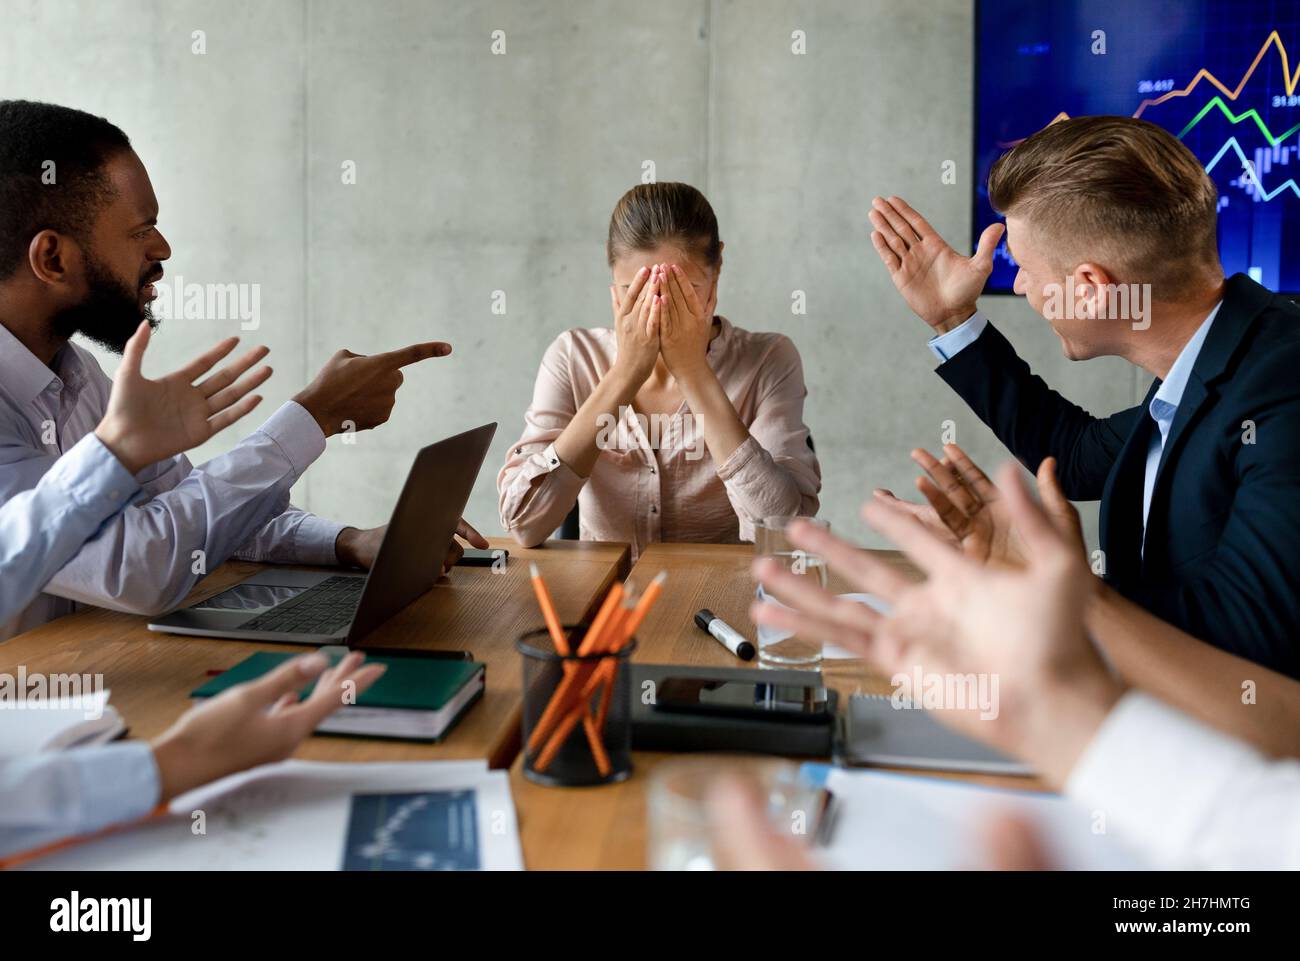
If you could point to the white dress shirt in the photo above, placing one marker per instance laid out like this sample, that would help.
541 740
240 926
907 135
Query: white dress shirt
1163 406
48 797
143 559
1186 795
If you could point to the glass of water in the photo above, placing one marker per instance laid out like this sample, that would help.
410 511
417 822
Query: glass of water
778 648
679 829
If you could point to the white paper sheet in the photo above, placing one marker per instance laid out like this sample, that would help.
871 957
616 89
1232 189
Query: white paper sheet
292 816
888 821
28 727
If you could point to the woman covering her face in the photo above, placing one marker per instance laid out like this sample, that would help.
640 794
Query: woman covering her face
673 424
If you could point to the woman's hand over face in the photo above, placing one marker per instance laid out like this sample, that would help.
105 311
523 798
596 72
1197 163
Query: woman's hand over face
686 323
636 327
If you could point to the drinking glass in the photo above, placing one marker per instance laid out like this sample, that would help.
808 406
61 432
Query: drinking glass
679 828
778 648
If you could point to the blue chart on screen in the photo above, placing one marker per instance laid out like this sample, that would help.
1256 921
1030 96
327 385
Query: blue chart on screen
1219 74
427 831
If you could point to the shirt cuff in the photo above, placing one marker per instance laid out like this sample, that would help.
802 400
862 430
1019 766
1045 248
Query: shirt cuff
297 434
92 477
946 346
739 458
314 541
1157 774
118 783
550 460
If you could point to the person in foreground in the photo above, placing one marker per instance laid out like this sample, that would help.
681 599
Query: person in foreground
1112 223
1228 692
1176 790
80 254
673 424
52 797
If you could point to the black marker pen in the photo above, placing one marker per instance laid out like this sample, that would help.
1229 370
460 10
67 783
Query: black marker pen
727 635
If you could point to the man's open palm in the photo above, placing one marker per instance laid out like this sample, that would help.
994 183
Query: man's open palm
939 284
149 420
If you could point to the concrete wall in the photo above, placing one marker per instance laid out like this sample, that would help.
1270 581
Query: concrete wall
478 173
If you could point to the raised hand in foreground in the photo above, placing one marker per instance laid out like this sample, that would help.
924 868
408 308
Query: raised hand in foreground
258 722
1022 625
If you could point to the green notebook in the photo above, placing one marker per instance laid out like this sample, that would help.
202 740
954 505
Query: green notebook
416 699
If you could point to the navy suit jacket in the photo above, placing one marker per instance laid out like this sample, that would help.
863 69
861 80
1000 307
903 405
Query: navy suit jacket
1222 557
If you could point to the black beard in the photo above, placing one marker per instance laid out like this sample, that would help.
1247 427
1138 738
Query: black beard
108 316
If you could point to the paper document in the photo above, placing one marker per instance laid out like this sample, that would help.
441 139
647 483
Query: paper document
305 815
887 821
31 726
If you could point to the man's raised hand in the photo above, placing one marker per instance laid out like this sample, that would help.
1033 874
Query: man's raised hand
149 420
939 284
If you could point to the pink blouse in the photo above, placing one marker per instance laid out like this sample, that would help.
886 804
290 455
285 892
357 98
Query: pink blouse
655 479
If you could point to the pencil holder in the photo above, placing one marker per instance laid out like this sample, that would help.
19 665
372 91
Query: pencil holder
577 720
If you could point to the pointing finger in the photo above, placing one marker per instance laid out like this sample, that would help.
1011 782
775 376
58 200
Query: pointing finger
405 356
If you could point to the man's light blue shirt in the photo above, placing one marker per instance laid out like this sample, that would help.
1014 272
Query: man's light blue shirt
184 521
43 528
47 797
947 346
60 794
1164 406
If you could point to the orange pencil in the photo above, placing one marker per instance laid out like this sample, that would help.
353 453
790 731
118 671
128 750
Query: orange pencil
598 752
580 711
548 611
594 733
608 611
605 674
629 627
572 672
643 607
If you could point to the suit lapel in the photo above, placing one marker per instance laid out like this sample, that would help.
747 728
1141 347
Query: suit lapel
1121 501
1243 299
1195 396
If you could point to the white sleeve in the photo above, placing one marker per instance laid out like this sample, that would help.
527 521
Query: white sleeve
1186 795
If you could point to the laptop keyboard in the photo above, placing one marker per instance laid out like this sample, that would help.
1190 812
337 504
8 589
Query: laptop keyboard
323 609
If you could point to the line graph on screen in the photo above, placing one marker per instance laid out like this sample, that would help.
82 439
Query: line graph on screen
1225 81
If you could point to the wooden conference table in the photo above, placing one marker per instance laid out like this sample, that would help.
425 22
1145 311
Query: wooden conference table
604 828
483 611
477 609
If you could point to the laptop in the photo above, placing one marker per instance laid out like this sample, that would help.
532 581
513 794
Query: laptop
324 607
